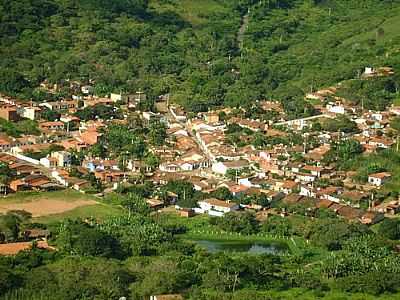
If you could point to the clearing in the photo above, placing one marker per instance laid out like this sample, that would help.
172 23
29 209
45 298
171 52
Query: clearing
51 203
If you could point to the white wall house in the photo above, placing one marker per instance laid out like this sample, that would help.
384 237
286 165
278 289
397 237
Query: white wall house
223 167
379 179
216 207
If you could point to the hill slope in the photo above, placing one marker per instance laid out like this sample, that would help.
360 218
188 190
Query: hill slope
190 48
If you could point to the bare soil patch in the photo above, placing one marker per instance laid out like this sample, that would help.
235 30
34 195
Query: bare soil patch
45 207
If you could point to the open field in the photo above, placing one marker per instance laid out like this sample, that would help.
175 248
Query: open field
97 211
46 206
54 206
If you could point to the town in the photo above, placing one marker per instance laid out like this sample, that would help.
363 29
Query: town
277 165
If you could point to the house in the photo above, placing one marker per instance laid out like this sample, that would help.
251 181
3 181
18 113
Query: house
391 208
288 186
17 185
49 162
313 170
348 212
5 143
91 137
109 176
100 164
178 113
187 213
223 167
80 184
30 112
293 198
155 204
371 218
149 116
169 167
71 121
56 159
52 126
61 105
211 118
216 207
9 113
378 179
36 233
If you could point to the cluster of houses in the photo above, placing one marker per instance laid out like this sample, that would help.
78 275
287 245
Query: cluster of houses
198 151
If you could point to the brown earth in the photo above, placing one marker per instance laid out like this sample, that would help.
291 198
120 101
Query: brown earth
45 207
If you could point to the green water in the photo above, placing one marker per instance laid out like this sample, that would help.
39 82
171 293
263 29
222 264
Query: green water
251 247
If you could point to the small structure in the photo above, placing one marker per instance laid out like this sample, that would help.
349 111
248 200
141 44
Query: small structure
378 179
187 213
215 207
371 218
223 167
9 113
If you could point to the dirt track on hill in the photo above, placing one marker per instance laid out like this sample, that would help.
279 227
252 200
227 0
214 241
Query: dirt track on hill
45 207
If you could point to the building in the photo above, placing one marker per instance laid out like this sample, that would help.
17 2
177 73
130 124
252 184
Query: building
216 207
90 137
379 179
211 118
52 126
223 167
56 159
32 113
9 113
371 218
61 105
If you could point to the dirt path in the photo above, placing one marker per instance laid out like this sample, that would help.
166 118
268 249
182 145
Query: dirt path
242 30
45 207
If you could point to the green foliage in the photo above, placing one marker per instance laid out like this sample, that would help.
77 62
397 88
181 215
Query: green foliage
340 124
332 233
98 112
343 151
16 129
241 222
11 224
84 240
278 225
80 278
390 228
375 94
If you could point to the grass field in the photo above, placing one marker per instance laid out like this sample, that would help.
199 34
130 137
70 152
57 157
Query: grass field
29 196
98 211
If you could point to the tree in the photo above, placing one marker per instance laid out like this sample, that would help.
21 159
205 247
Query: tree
135 204
85 240
8 280
239 222
390 228
222 193
10 224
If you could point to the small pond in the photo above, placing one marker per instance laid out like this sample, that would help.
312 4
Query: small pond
251 247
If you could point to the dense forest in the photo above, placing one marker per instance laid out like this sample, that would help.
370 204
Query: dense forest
191 49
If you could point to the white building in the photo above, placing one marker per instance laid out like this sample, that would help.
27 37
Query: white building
216 207
223 167
379 179
31 113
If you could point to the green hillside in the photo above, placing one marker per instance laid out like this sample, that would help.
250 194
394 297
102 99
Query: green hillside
308 46
190 48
